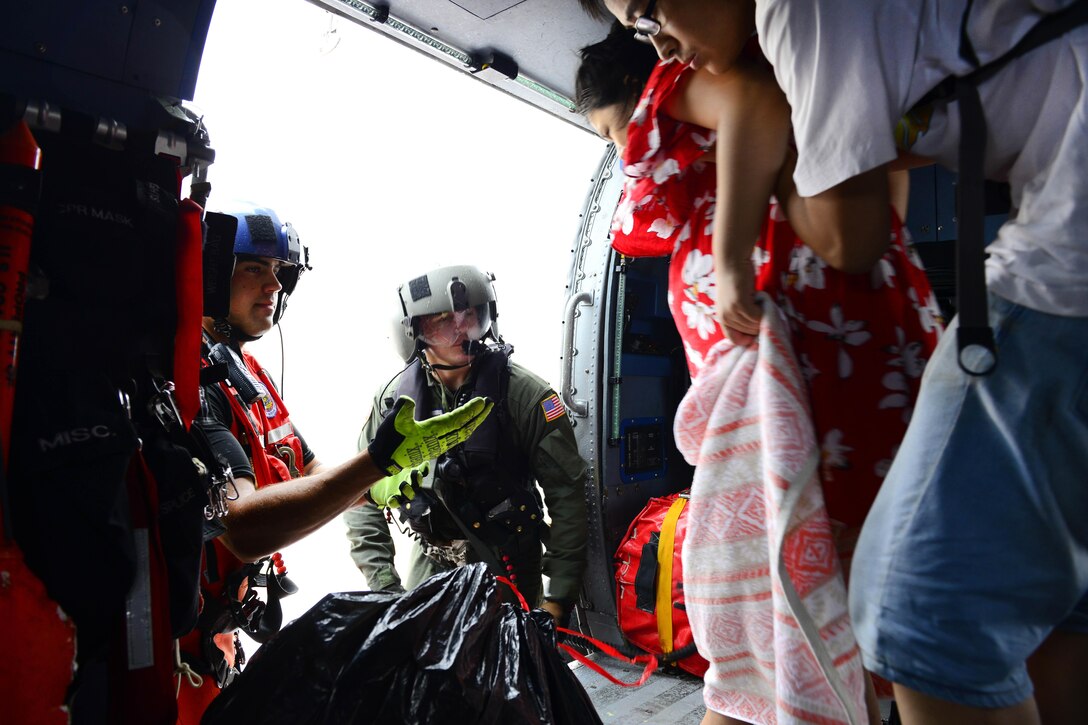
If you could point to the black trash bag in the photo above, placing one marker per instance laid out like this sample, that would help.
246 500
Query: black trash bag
449 651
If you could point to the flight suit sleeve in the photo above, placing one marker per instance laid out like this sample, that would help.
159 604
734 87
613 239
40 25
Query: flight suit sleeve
372 547
548 440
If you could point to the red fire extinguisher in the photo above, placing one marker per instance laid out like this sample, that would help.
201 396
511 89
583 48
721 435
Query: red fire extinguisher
39 639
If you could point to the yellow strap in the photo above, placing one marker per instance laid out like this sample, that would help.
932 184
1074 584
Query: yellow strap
664 574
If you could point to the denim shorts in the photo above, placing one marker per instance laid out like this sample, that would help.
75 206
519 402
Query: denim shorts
976 548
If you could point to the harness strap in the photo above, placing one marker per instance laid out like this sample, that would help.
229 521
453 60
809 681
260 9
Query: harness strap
646 575
649 660
977 353
189 288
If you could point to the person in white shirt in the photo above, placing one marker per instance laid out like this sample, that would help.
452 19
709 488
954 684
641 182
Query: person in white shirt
970 583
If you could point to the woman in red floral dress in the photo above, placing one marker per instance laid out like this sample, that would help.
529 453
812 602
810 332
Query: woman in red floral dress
862 339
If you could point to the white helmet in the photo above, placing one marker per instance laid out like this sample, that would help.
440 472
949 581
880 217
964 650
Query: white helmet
463 291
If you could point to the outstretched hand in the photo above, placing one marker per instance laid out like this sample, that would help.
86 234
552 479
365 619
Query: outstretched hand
397 489
403 442
736 308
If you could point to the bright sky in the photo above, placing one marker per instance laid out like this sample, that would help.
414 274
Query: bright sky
388 163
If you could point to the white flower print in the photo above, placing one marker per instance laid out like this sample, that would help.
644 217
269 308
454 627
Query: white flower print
711 208
808 269
907 355
685 233
833 451
911 251
760 257
776 212
639 116
845 332
698 276
668 167
694 357
915 258
653 140
624 218
703 199
883 273
900 395
663 227
808 370
704 141
929 314
700 317
797 320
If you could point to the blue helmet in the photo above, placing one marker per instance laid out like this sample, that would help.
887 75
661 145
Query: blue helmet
249 232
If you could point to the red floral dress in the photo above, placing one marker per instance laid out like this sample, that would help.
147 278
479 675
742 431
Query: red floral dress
862 339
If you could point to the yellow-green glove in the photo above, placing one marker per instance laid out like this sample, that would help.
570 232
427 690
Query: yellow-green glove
397 489
404 442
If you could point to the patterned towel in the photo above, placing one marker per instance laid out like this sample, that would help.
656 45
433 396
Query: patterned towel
763 584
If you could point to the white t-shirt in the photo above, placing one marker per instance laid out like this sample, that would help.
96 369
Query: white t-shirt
850 69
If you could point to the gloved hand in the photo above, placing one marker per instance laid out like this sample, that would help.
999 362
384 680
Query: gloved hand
403 442
398 488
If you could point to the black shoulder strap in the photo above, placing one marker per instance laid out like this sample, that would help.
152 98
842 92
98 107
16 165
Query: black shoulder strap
977 353
413 383
1048 28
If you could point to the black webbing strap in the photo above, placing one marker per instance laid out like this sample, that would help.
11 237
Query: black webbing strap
646 575
977 353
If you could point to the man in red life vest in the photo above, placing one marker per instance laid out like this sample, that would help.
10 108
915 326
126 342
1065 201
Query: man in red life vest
252 263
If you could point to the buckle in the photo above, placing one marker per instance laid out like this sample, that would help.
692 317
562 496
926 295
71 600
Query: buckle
221 488
162 406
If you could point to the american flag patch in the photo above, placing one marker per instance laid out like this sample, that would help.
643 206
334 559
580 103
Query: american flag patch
552 408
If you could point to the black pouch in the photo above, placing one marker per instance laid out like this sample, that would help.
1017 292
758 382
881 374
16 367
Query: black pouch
71 447
181 523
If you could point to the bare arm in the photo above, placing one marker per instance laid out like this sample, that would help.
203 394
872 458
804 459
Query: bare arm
899 191
264 520
751 117
848 225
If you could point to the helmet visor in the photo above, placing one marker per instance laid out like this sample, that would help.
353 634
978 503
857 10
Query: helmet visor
445 329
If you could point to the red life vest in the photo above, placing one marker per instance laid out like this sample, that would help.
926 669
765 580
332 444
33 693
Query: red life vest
265 430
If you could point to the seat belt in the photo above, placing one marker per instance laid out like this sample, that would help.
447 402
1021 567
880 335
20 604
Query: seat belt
976 351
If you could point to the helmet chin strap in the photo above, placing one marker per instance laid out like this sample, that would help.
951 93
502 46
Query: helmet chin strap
448 367
227 330
469 347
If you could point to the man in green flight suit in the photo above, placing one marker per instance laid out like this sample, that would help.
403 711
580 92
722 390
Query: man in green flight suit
480 502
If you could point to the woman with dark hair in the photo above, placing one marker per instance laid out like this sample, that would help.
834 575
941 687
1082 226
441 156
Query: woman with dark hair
860 340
